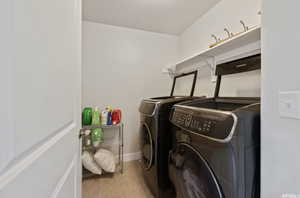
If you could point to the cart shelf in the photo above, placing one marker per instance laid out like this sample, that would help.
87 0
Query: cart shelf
120 165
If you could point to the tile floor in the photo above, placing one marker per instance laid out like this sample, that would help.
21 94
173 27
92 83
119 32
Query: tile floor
130 184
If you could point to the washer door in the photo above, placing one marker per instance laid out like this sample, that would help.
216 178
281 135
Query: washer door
191 175
147 146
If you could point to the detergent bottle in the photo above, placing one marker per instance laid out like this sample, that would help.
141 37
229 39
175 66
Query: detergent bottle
104 116
116 116
109 115
87 115
97 134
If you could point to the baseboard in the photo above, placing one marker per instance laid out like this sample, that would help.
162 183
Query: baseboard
132 156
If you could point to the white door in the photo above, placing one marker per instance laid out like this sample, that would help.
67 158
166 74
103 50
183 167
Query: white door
40 82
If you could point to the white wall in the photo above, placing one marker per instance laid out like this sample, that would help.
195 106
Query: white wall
122 66
280 136
197 38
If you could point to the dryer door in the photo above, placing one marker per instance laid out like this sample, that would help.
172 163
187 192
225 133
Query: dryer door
191 175
147 146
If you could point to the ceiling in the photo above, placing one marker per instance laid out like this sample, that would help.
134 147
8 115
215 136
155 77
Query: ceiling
163 16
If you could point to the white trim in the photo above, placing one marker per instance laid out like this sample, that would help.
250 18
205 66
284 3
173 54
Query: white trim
64 178
20 166
132 156
78 175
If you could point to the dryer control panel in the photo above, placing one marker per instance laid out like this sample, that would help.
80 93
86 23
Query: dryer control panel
212 124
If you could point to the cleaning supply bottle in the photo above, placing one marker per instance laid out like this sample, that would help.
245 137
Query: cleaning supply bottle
109 118
109 115
87 115
104 116
116 116
87 142
97 134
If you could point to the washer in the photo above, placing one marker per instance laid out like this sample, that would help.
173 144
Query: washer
216 143
156 140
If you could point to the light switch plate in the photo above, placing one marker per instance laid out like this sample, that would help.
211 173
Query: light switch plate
289 104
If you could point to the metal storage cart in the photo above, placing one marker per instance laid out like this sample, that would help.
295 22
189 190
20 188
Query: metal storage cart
120 165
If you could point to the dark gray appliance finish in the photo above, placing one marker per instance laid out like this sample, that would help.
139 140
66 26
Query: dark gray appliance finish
216 143
156 139
156 143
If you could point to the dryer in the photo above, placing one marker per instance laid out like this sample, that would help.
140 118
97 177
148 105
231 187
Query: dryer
216 143
155 138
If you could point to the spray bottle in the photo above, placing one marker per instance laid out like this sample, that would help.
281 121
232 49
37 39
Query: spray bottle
97 134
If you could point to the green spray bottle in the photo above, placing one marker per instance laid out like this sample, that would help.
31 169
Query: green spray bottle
97 134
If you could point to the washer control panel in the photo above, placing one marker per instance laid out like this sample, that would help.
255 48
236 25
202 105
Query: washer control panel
205 122
193 123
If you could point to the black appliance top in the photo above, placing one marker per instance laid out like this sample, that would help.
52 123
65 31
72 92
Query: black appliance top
221 103
149 106
194 73
237 66
246 64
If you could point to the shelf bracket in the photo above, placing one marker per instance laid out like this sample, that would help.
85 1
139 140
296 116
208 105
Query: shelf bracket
170 71
211 62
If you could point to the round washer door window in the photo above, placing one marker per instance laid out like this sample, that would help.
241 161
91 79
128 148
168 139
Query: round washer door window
191 175
147 146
